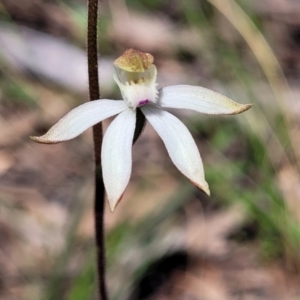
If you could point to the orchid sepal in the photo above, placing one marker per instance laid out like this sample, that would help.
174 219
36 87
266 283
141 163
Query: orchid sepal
180 145
199 99
79 119
116 156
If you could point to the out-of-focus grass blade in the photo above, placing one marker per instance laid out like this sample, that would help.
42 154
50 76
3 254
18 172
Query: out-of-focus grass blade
261 50
83 287
57 282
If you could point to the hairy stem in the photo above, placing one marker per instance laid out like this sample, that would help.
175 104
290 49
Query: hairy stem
92 56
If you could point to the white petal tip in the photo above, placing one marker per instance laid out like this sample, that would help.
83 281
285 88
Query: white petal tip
207 191
203 187
113 203
43 140
242 108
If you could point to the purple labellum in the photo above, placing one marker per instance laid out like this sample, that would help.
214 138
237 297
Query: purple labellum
143 102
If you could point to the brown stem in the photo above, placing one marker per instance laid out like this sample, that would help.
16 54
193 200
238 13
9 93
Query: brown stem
92 56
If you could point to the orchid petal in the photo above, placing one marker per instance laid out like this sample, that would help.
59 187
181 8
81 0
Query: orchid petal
79 119
199 99
179 143
117 156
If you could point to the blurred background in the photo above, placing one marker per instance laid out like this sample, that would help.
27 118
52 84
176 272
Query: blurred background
166 239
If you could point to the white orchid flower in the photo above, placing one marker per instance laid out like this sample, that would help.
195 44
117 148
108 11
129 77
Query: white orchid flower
136 78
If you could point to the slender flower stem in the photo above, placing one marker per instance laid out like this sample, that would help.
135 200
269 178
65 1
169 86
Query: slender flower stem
92 56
